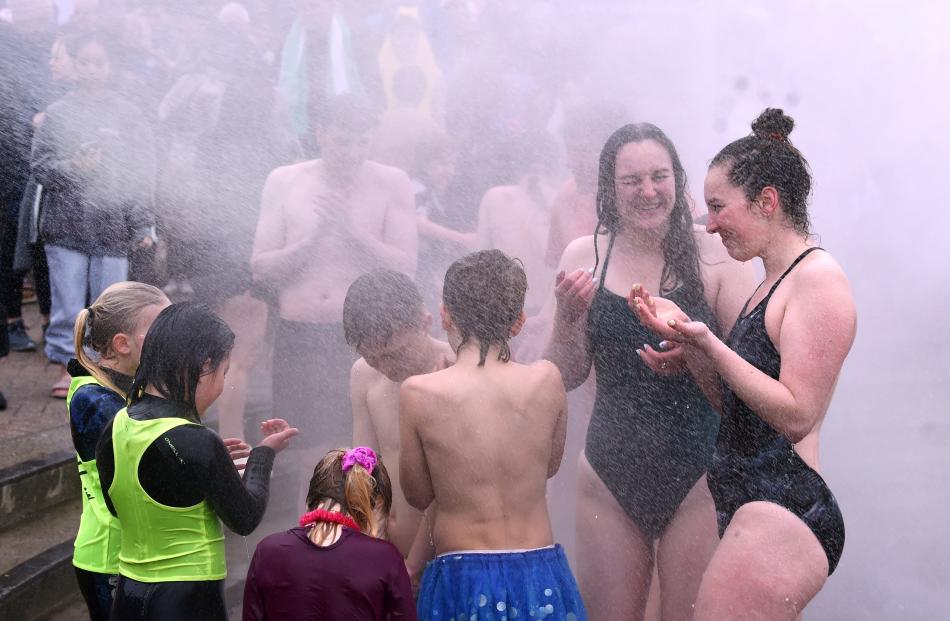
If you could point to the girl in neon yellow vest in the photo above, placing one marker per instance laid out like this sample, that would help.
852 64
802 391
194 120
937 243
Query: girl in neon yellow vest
108 338
171 481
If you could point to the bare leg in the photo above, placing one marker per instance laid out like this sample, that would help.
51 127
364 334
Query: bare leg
769 565
247 317
614 558
684 551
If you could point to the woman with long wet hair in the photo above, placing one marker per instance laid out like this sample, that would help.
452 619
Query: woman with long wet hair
642 496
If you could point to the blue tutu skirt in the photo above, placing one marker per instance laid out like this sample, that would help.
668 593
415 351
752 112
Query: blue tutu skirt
500 586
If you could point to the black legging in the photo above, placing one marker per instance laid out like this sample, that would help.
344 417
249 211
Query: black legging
96 589
11 283
158 601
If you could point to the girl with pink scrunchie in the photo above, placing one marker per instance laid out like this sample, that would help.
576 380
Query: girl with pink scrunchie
334 564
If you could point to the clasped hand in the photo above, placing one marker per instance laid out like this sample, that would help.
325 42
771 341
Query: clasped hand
666 319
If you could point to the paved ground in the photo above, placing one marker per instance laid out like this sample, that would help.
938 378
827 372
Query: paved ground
34 424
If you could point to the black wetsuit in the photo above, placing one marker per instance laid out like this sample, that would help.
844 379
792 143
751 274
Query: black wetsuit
754 462
182 467
650 437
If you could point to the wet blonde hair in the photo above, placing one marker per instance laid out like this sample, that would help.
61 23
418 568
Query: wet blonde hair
117 310
365 496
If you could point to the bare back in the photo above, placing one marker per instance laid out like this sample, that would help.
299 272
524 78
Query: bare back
481 442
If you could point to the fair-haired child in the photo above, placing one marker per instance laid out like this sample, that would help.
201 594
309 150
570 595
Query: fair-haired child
479 441
108 337
334 566
385 321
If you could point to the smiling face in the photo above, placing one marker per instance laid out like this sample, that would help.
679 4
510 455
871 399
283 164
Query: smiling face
733 216
644 184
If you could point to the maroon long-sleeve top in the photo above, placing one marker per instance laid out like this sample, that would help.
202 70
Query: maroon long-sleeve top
358 577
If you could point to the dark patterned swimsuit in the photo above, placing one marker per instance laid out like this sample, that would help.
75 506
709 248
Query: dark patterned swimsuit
754 462
650 437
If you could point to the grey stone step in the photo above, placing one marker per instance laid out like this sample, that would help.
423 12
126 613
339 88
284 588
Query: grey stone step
34 486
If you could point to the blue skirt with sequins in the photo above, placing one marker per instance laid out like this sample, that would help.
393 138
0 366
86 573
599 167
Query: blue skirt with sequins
500 586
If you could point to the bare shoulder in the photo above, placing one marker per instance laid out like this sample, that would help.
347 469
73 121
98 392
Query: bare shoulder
821 275
389 175
287 175
362 375
546 377
579 254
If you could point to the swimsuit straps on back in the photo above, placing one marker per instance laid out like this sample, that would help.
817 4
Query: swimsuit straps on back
650 437
754 462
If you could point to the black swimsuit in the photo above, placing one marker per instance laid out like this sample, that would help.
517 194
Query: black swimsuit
754 462
650 437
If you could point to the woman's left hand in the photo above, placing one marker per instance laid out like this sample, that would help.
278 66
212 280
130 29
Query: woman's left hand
237 449
666 318
671 361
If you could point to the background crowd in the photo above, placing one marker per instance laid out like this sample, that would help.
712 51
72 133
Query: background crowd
137 136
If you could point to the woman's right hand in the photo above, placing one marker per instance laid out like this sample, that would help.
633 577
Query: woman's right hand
277 434
574 293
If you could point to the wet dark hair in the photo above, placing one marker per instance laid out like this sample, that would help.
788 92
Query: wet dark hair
380 304
767 158
365 496
680 252
182 339
349 112
484 292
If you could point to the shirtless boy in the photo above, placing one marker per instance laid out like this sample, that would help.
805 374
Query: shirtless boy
385 321
479 440
323 223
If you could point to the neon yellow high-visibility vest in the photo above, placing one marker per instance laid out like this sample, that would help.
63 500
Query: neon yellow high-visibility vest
159 543
97 542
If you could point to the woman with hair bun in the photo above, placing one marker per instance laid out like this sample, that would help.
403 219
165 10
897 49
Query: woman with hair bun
772 379
334 565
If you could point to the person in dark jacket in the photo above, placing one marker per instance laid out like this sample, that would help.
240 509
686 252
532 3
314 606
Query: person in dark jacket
94 156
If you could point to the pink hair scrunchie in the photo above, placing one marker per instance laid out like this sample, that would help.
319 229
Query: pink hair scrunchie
362 455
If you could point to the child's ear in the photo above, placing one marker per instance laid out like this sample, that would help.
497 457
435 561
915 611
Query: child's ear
121 344
519 324
446 318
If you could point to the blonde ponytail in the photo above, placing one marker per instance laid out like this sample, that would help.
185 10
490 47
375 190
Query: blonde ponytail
365 495
117 310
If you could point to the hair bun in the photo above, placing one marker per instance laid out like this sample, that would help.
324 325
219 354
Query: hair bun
773 123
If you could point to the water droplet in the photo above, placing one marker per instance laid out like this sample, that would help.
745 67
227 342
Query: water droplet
502 605
547 592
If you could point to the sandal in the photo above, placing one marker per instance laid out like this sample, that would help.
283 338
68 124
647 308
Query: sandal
61 388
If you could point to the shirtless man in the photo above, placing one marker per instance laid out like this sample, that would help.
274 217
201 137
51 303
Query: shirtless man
574 211
479 440
323 223
385 321
515 218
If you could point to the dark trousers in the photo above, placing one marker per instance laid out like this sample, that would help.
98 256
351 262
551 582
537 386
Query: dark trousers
11 283
97 590
161 601
311 382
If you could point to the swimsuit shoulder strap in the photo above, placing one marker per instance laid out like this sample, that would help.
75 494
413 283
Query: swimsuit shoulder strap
603 270
766 299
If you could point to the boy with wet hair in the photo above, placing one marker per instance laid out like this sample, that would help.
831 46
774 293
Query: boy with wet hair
385 321
479 441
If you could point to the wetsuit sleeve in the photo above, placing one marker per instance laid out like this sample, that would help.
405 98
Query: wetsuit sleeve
253 603
188 464
399 601
105 463
89 410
